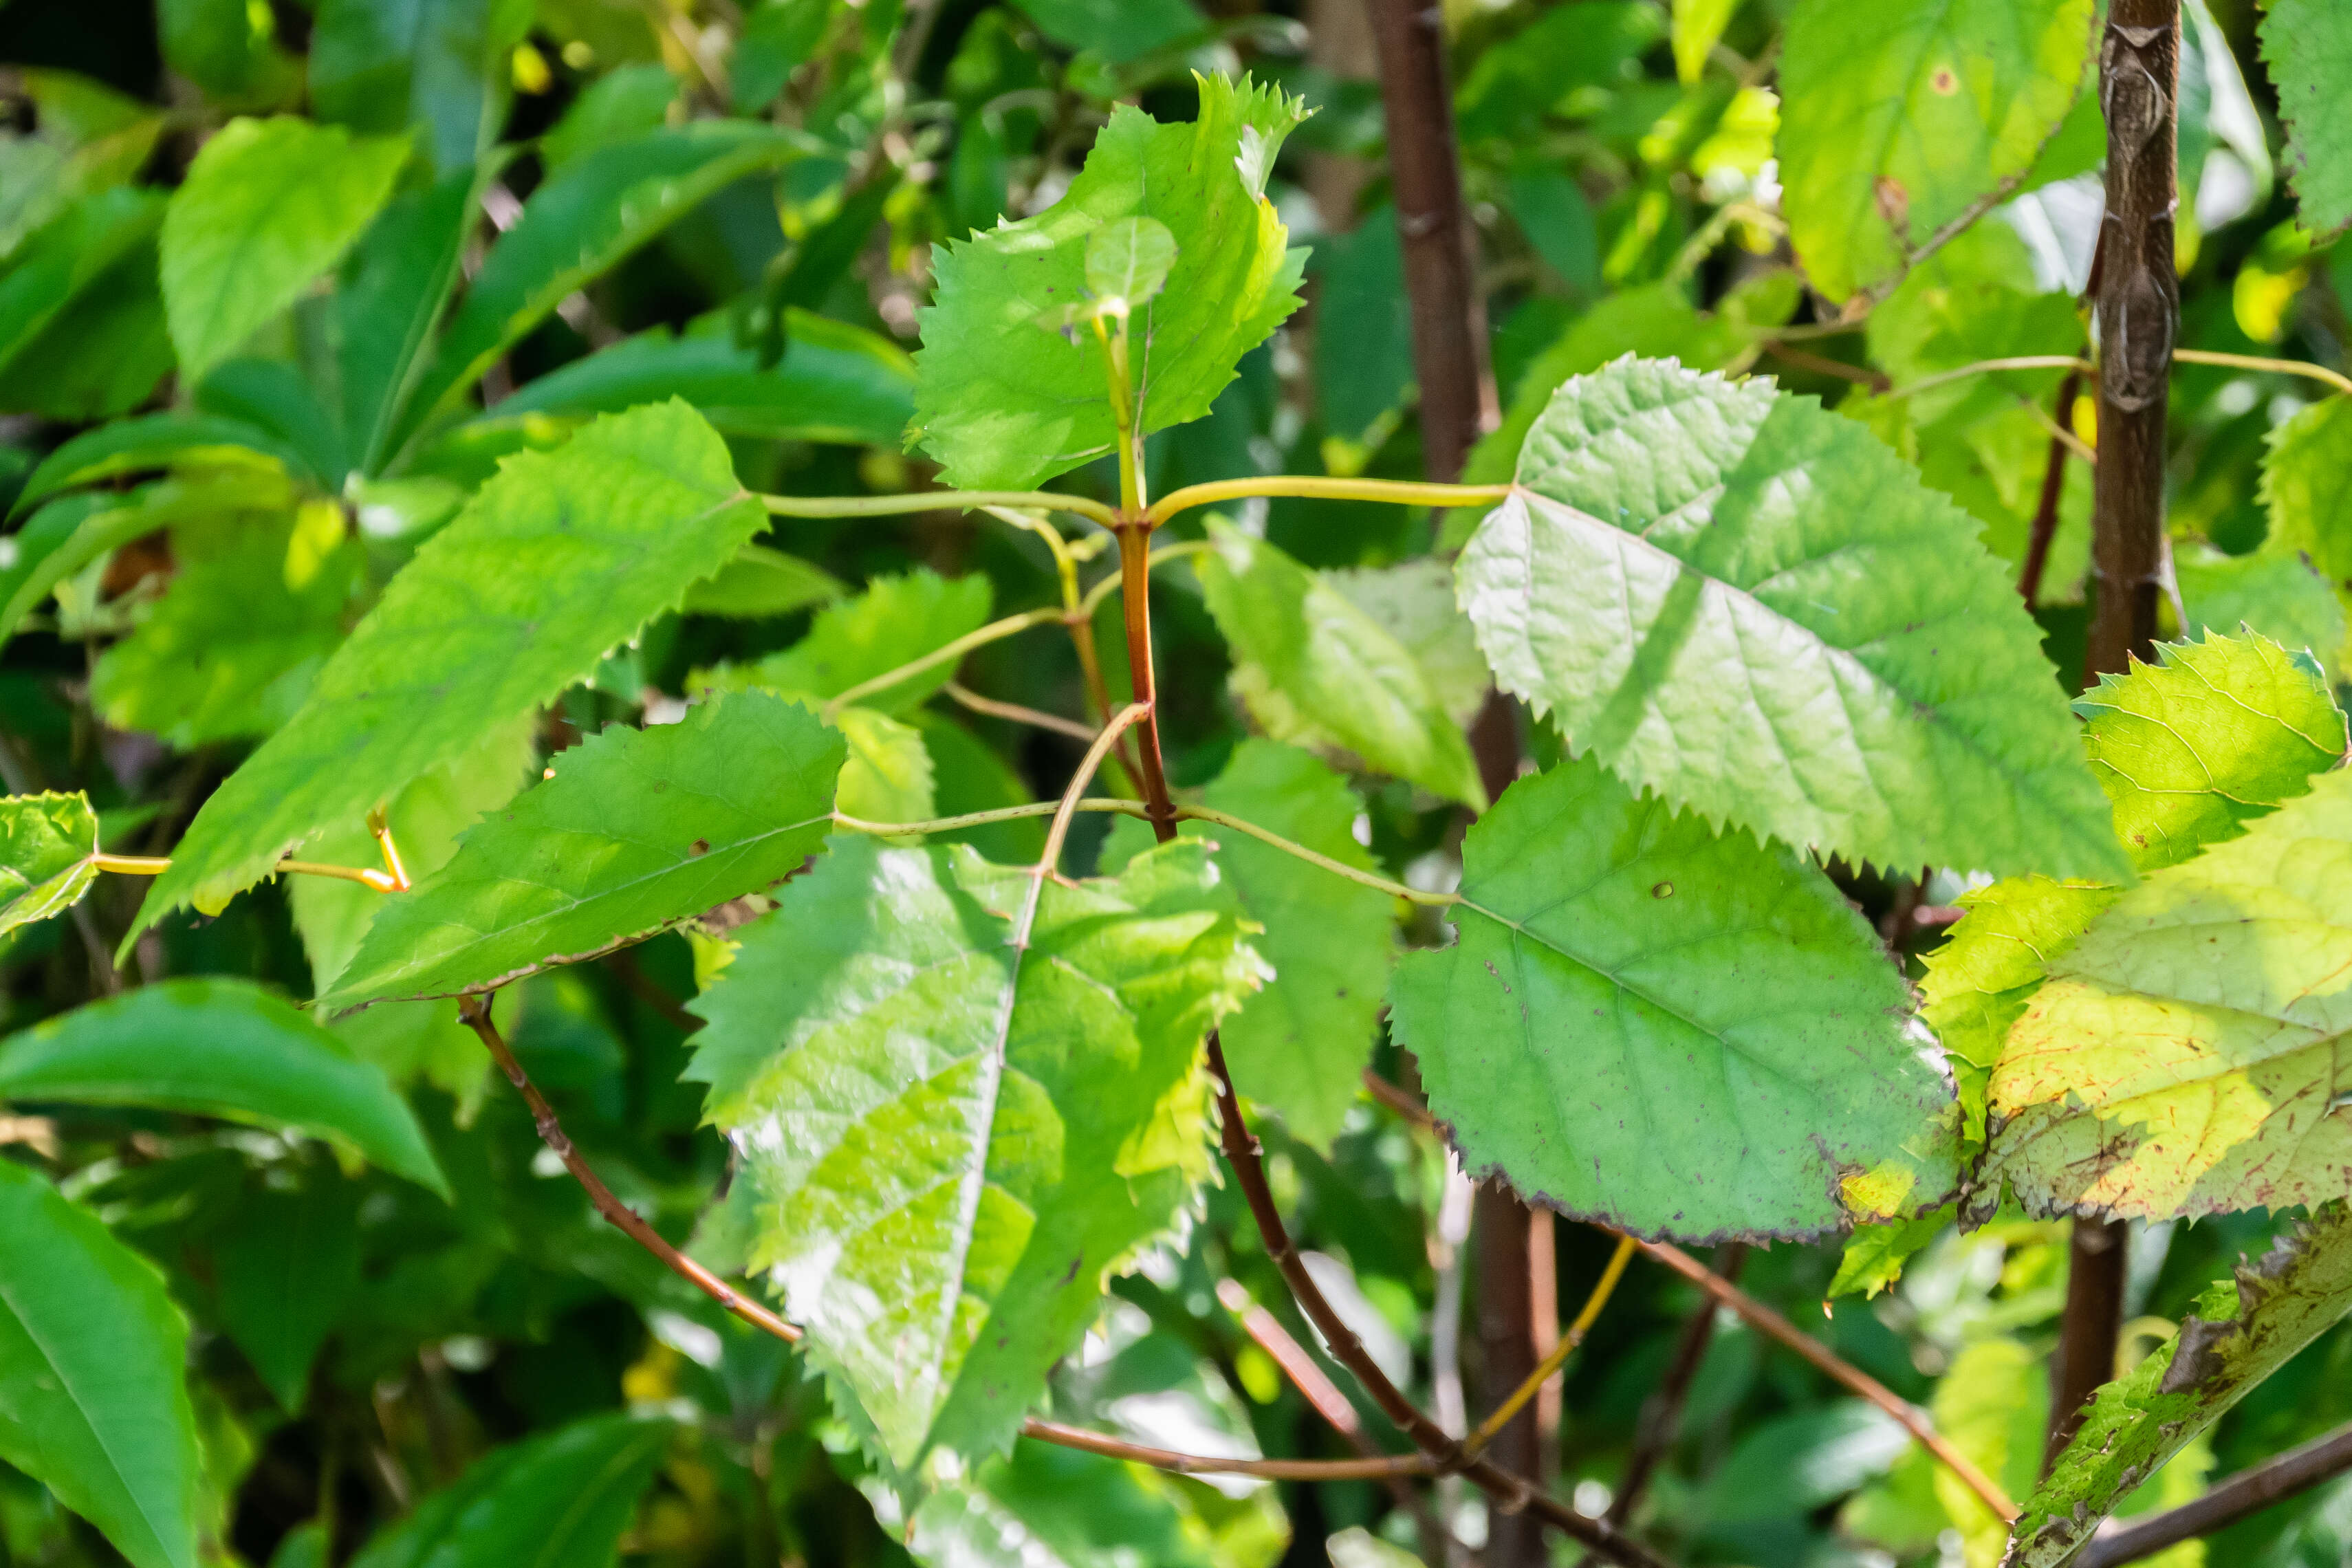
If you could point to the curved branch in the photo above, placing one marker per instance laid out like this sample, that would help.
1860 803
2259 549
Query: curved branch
1016 714
1988 366
2303 368
1399 492
995 631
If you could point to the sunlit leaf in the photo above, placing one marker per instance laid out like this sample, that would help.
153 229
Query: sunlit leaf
2307 489
635 829
47 842
895 621
559 557
761 582
1670 1031
1754 608
1022 1510
2308 45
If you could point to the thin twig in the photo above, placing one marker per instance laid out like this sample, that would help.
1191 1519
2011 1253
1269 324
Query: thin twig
1397 1099
2305 368
1015 712
2273 1480
931 500
1196 1465
995 631
1989 366
1912 1419
1551 1363
1822 365
1402 492
2045 508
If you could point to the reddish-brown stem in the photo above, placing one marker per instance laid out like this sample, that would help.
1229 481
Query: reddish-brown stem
1825 1361
2247 1492
2045 506
1374 1468
1135 599
1822 365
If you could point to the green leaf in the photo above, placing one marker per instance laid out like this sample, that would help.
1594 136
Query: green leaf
1993 1405
559 557
1298 1048
1901 124
285 1265
47 843
580 225
67 257
1003 406
233 647
394 288
634 830
155 441
1874 1254
2182 1061
60 540
385 65
1363 347
619 106
761 582
1790 1465
2308 45
2307 489
1754 608
1667 1031
2270 593
1129 259
560 1501
1317 671
1414 601
262 1061
2236 1338
426 819
969 775
836 382
2211 736
1046 1506
268 206
1991 965
275 397
100 352
895 621
888 775
221 46
93 1401
1118 30
1697 26
951 1120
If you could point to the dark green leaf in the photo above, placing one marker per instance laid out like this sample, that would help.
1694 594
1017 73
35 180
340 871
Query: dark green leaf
394 290
273 397
561 556
262 1061
560 1501
223 48
619 106
92 1400
285 1267
1118 30
268 206
382 66
1671 1032
156 441
1755 608
634 830
67 257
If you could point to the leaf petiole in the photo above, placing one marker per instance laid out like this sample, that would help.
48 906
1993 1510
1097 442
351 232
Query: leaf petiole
932 500
156 865
1398 492
995 631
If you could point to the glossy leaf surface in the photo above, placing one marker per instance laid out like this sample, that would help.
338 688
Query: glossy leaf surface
1667 1031
559 557
1756 609
634 830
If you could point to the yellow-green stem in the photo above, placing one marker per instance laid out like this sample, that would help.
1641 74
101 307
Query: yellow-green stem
1399 492
932 500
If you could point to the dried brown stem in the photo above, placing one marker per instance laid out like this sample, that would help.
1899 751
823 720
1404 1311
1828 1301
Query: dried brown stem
2273 1480
1827 1362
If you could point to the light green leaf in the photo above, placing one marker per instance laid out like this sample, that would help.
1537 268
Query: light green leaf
761 582
560 1501
580 225
634 830
285 1265
949 1131
47 842
263 1061
386 65
836 382
1671 1032
559 557
895 621
2308 45
1003 406
1317 671
1754 608
1046 1506
1129 259
426 819
233 647
2213 734
2182 1061
1900 124
1980 980
2241 1331
1874 1254
1697 25
1298 1047
888 775
2270 593
155 441
268 205
93 1396
2307 488
1992 1404
1414 600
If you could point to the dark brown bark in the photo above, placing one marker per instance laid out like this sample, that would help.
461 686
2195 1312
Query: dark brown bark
2247 1492
1506 1357
2138 314
1449 316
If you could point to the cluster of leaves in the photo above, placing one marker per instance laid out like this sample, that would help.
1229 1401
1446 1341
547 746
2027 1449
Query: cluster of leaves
392 419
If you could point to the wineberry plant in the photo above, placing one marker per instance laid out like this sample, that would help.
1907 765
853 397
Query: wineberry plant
1474 648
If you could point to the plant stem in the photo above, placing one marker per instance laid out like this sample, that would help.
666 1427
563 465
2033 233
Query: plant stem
2138 307
1017 714
995 631
1988 366
1193 1465
1830 1365
1403 492
1135 574
2249 1491
2305 368
2045 508
393 882
932 500
1559 1356
1116 581
1661 1420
